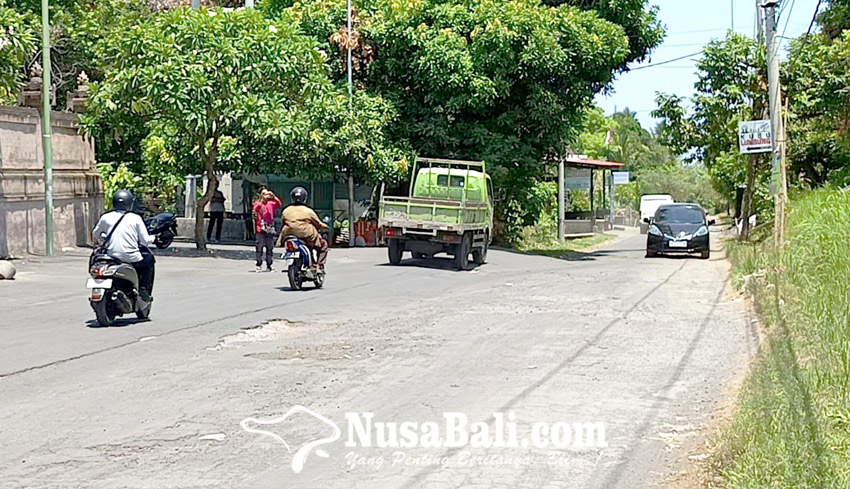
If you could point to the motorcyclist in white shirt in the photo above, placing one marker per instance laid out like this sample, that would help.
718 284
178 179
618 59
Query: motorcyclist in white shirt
130 240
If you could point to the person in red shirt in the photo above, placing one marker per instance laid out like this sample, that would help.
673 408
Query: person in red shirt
264 209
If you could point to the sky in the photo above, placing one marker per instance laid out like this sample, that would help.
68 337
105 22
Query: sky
690 25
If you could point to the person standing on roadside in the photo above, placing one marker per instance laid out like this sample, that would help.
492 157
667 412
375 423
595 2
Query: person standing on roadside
216 215
264 210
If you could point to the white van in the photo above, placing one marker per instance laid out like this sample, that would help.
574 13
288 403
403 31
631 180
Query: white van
648 205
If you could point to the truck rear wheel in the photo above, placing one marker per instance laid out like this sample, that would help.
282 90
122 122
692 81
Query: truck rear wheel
462 253
479 256
394 251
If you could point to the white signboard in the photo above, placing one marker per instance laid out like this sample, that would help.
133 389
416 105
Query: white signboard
754 137
577 178
621 177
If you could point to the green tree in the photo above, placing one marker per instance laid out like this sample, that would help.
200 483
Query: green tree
836 19
638 20
816 78
506 82
17 44
503 82
205 82
75 28
636 146
730 88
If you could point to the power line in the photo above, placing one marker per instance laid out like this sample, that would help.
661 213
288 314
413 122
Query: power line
787 21
666 62
698 31
689 45
781 10
814 18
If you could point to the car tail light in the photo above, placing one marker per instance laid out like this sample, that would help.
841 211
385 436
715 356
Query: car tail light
389 232
291 246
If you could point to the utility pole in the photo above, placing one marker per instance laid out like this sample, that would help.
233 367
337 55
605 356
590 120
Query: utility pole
775 100
348 62
351 238
46 129
561 204
757 114
611 197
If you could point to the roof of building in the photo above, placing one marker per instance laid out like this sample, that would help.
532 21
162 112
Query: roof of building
590 163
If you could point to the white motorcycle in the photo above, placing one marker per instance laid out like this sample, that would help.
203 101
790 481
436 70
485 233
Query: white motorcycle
115 290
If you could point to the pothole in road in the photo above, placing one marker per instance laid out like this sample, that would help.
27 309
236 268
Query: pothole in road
270 331
322 352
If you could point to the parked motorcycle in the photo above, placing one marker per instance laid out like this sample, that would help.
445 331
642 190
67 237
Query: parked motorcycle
301 261
163 227
114 290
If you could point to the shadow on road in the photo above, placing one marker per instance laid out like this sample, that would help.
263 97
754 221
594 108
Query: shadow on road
591 256
228 254
442 263
287 288
676 256
119 323
557 254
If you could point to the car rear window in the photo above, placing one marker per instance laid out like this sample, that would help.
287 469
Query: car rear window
680 214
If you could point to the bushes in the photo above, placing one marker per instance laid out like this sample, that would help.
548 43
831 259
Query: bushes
793 424
520 211
151 188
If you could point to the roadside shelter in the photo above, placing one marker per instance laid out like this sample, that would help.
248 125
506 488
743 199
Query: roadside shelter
582 175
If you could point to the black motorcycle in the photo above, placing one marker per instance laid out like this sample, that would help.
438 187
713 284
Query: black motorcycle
163 227
301 264
114 290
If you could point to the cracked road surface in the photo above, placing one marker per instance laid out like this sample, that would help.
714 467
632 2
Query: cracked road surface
645 346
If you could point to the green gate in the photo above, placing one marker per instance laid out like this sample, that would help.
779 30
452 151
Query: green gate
321 195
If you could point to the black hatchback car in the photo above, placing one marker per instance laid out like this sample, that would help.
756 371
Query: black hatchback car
678 228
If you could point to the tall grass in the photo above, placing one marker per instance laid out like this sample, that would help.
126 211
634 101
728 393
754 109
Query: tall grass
792 427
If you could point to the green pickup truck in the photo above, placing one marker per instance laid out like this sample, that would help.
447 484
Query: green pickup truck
449 210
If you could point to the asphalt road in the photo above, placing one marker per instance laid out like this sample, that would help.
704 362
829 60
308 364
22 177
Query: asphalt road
645 346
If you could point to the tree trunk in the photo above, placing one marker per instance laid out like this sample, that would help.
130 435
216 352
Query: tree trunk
212 186
203 200
749 193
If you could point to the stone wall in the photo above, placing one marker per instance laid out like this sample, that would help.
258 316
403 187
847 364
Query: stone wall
77 189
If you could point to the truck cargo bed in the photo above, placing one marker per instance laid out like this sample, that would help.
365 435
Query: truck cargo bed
438 214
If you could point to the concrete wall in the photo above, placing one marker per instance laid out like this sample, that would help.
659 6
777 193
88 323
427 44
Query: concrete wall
77 189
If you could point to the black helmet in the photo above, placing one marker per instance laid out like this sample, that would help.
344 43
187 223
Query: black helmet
123 200
298 195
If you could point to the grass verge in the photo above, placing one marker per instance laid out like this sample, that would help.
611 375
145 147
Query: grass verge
792 424
542 239
550 246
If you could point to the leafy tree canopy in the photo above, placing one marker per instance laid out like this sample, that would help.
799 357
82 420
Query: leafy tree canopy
502 81
16 45
815 80
215 90
639 21
730 88
835 19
